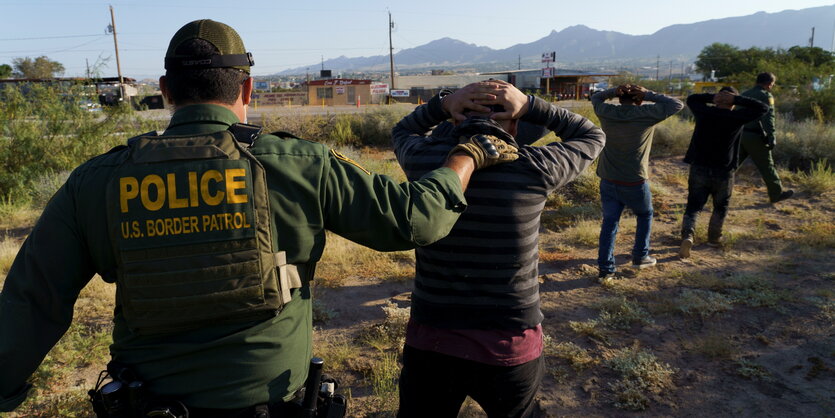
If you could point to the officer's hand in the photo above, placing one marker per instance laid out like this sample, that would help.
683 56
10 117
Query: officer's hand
486 150
770 142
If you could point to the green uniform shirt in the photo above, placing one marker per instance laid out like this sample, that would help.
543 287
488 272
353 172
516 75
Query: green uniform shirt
764 124
311 189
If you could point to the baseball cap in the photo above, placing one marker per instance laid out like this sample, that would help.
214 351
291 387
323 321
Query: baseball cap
231 51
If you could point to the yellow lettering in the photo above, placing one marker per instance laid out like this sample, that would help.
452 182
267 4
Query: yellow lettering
174 202
147 182
136 231
149 227
239 220
208 176
125 230
128 189
232 185
192 189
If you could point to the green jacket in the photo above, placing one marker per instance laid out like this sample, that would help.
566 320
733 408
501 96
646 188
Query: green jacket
311 189
766 123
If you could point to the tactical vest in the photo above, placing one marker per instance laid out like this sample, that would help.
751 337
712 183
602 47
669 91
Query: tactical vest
190 222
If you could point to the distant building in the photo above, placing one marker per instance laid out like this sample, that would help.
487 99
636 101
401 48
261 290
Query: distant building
339 91
562 84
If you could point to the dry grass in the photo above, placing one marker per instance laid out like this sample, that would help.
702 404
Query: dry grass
343 259
8 250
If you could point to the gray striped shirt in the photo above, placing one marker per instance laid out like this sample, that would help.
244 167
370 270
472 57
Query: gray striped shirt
483 275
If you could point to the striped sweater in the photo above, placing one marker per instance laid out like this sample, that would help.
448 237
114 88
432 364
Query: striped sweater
484 274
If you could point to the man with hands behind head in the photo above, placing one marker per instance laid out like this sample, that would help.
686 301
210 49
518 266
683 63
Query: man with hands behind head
623 167
713 156
475 328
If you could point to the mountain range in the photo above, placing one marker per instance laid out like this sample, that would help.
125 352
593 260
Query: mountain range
585 47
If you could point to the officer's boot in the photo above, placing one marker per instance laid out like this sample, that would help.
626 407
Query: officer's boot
688 234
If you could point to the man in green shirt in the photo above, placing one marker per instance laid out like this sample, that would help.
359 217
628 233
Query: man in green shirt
623 167
211 233
758 139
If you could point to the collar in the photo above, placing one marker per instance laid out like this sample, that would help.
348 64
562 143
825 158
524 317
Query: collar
200 118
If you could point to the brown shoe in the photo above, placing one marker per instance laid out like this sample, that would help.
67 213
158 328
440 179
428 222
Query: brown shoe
686 245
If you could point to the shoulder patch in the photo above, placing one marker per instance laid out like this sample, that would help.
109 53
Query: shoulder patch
771 100
340 156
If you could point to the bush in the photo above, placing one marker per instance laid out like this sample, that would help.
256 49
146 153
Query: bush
799 144
672 137
46 129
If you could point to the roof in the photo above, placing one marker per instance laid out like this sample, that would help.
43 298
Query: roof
337 82
559 72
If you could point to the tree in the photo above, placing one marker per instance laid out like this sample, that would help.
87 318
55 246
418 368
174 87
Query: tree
717 57
812 55
5 71
40 67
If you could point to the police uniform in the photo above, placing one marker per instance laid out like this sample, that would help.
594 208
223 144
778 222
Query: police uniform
756 137
129 214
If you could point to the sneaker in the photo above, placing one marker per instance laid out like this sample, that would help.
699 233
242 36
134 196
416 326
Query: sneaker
716 243
604 277
783 196
645 262
686 245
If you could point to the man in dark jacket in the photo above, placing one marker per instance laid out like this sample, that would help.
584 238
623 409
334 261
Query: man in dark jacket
713 156
475 327
758 139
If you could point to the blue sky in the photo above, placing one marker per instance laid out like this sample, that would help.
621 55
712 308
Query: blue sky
284 34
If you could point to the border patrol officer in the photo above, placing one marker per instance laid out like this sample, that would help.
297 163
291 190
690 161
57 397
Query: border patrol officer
211 233
758 139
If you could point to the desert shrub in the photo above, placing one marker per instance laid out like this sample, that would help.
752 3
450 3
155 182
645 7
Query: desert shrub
391 333
576 356
621 313
801 143
641 374
370 128
702 302
818 180
45 130
672 137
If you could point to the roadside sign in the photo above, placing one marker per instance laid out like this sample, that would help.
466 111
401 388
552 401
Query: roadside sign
548 72
400 93
549 56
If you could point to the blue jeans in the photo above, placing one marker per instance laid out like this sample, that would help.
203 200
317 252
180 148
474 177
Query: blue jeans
614 198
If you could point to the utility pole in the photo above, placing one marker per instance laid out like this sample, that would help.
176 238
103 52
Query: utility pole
118 65
657 66
519 65
812 39
391 57
88 67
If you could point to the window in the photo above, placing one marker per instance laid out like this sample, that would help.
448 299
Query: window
324 92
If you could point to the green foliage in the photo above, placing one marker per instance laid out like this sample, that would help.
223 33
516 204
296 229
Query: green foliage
5 71
370 128
45 129
641 374
40 67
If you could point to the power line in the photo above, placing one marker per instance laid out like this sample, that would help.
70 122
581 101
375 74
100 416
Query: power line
49 37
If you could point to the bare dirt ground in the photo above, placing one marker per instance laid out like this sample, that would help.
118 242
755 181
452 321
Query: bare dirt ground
764 347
